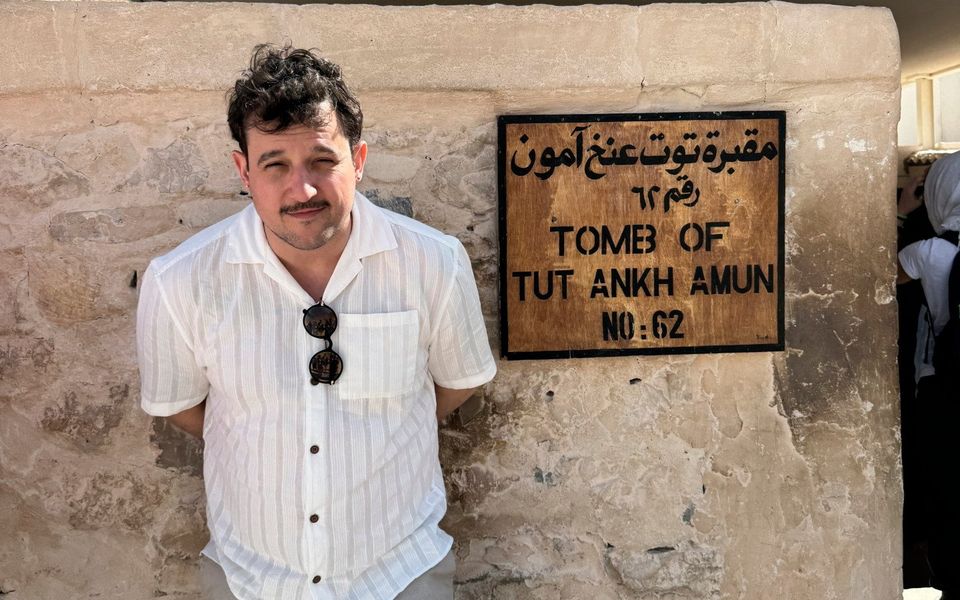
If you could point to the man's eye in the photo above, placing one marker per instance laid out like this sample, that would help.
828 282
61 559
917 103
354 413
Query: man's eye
272 165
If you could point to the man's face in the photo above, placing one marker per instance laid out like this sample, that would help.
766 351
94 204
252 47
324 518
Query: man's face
302 182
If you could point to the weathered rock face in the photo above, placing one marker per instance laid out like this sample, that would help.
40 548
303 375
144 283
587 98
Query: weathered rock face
753 476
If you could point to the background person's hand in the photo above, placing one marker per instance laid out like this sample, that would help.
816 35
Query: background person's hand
909 200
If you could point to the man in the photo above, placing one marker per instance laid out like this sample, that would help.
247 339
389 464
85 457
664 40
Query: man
313 341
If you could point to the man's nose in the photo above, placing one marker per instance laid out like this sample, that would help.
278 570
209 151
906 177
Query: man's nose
303 187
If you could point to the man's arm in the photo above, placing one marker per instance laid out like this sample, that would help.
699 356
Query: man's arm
171 377
459 350
191 420
447 400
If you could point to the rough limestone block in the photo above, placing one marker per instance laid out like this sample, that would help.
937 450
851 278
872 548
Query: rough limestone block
71 284
176 167
477 47
390 168
207 211
687 47
26 360
115 225
204 48
31 178
14 278
86 416
39 41
104 155
708 476
666 570
520 47
568 100
833 44
49 112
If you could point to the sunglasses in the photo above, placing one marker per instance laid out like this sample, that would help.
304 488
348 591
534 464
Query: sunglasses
326 366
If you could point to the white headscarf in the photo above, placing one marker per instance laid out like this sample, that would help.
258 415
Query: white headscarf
942 194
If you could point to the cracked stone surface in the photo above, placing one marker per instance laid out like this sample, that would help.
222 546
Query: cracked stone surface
716 476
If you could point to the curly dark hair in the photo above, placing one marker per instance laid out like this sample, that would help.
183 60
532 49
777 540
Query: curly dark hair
285 86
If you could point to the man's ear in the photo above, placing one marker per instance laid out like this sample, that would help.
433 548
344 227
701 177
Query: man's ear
359 158
243 167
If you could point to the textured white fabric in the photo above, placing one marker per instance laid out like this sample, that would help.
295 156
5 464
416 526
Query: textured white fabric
435 584
220 318
929 261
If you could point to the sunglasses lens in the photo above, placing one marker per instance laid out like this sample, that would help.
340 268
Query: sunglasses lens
325 367
320 321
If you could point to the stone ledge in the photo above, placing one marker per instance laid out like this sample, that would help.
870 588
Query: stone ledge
39 45
689 44
203 46
803 45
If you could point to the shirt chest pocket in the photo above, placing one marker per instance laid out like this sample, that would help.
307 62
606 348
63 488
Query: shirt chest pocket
379 353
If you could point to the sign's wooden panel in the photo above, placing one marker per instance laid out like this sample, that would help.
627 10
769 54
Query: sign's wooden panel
641 234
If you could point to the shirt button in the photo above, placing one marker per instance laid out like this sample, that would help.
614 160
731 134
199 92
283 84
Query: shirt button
314 449
317 578
314 518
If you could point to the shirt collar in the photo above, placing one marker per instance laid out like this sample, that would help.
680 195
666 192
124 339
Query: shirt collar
246 241
371 233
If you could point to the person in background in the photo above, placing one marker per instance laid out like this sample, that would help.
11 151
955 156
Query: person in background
929 456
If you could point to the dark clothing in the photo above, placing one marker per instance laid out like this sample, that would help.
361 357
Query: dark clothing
938 415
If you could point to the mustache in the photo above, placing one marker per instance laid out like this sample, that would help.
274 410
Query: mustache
308 205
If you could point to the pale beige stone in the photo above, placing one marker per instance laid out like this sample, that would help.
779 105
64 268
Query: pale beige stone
24 360
834 44
40 47
71 285
520 47
207 211
475 47
696 476
50 112
112 225
205 50
12 266
65 290
408 118
105 155
390 168
687 47
177 167
31 178
527 45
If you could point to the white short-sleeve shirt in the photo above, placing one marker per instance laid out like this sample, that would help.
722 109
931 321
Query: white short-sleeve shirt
338 482
929 261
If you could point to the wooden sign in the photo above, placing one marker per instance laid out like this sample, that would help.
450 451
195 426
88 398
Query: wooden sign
641 234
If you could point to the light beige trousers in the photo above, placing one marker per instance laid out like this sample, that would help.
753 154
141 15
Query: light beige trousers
435 584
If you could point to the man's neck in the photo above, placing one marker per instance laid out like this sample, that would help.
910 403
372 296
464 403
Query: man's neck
312 269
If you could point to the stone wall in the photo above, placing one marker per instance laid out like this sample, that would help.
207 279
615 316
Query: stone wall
753 476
